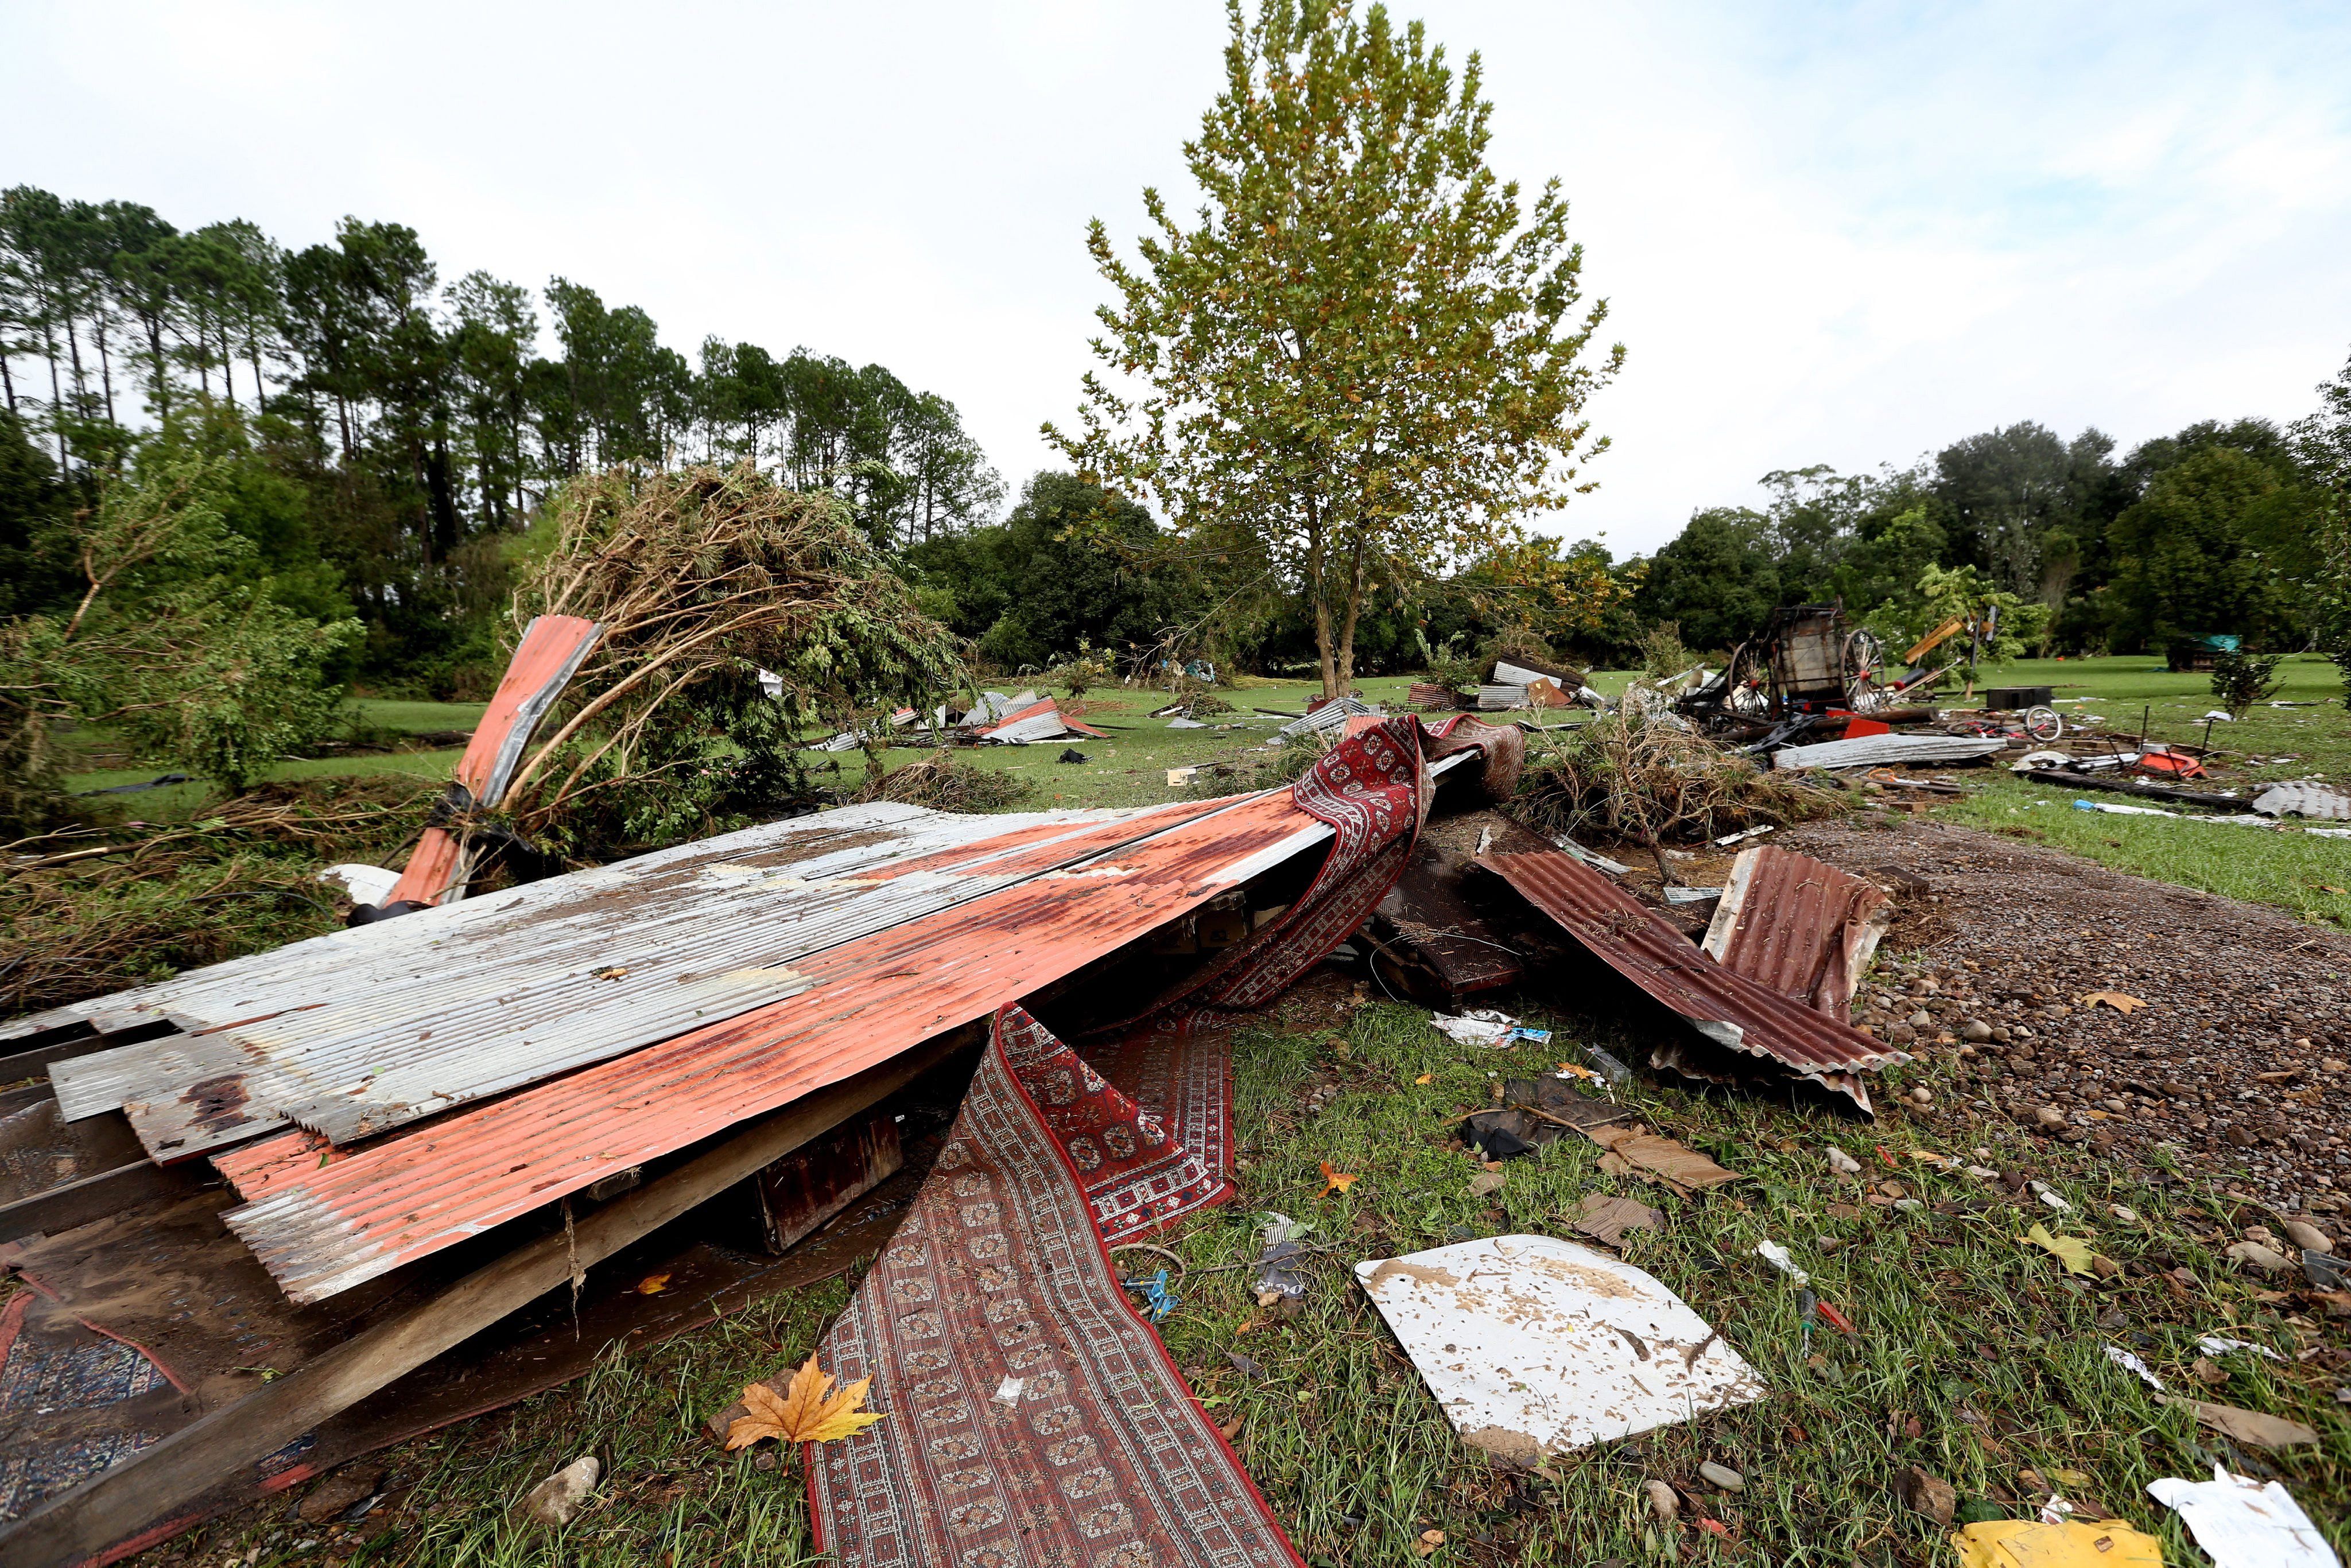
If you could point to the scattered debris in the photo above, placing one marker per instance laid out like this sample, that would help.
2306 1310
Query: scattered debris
2065 1543
1780 1258
557 1501
1926 1494
2131 1363
1533 1345
1680 1170
1798 926
1605 1218
2247 1426
2241 1523
1882 750
1484 1026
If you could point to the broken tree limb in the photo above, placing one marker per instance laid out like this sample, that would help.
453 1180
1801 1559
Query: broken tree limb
111 1508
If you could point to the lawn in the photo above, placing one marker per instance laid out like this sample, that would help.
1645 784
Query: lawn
1975 1357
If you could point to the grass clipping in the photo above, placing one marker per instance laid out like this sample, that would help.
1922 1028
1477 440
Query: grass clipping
1650 781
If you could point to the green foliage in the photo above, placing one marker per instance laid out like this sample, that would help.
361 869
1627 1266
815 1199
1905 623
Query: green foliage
1719 580
1360 368
1663 655
167 643
1963 592
2186 561
1074 567
2241 679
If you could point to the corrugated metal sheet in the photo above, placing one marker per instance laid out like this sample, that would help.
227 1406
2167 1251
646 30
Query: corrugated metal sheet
1327 719
362 1030
1039 721
867 1000
1798 926
2311 800
1879 750
545 660
1727 1008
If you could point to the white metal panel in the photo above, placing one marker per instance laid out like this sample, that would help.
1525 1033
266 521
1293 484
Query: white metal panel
1884 750
1534 1345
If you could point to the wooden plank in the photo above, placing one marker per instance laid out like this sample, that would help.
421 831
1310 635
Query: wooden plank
95 1196
111 1508
66 1041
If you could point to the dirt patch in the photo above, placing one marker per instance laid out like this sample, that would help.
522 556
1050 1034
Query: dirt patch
2234 1068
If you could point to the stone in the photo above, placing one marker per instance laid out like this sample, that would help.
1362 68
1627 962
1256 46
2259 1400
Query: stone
1923 1095
2049 1118
557 1501
1722 1476
2253 1255
2308 1236
1922 1018
1922 1493
2002 1033
1661 1500
1975 1031
340 1492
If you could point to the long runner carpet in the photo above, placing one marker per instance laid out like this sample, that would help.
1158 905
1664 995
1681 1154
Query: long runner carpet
1034 1420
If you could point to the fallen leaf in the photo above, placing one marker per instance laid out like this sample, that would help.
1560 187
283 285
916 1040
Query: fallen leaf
2070 1250
1425 1078
613 973
2324 888
1335 1180
2115 1000
1712 1526
1430 1539
1485 1182
1576 1070
1230 1430
652 1284
808 1412
2247 1426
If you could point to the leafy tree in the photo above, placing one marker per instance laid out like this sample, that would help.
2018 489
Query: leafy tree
1361 367
1718 579
2187 562
2027 505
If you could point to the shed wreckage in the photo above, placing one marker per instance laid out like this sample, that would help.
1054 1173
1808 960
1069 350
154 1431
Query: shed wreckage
373 1162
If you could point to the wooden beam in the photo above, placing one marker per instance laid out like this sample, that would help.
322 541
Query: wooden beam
95 1197
116 1504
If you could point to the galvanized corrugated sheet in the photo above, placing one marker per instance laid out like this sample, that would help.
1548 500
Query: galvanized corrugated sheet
1327 719
866 1001
1798 926
2311 800
1879 750
1726 1007
362 1030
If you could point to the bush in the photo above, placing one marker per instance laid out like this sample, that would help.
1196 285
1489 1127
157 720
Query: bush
2241 679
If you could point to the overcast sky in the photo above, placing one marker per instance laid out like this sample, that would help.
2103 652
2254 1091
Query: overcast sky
1841 235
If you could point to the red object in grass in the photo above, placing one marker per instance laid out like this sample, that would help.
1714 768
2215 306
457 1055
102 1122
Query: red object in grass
1713 1525
1836 1317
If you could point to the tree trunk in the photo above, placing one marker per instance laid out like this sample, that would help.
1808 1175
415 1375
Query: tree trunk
1354 611
1321 601
57 389
162 370
228 367
8 384
105 365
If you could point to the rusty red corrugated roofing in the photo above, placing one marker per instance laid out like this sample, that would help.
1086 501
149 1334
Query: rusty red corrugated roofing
1640 945
322 1231
1798 926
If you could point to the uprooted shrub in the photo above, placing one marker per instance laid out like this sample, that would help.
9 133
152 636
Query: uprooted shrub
1653 780
704 579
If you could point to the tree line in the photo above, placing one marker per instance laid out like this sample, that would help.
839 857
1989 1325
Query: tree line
2221 528
389 429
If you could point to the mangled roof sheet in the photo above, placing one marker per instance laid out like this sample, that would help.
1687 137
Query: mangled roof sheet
1798 926
365 1029
1727 1008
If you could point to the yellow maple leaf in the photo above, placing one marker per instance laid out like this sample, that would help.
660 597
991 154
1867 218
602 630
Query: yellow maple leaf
1425 1078
652 1284
807 1412
1335 1180
2070 1250
2115 1000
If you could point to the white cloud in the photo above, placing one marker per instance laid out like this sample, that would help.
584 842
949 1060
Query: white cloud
1828 233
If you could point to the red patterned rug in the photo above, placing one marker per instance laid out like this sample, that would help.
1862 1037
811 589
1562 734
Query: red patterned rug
1034 1419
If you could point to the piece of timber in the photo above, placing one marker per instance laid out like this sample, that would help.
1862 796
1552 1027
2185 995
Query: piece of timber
95 1196
2171 792
76 1036
118 1504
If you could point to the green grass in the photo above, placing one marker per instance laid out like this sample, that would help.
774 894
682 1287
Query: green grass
2287 869
1979 1340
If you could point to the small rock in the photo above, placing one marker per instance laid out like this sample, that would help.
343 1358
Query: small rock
1975 1031
1901 1034
1922 1018
2002 1033
2124 1212
2265 1236
1922 1095
1722 1476
2049 1118
556 1501
346 1487
2308 1236
1842 1162
1925 1494
2253 1255
1661 1500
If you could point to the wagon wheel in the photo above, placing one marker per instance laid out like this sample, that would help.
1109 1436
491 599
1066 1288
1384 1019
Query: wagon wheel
1865 667
2044 723
1747 690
